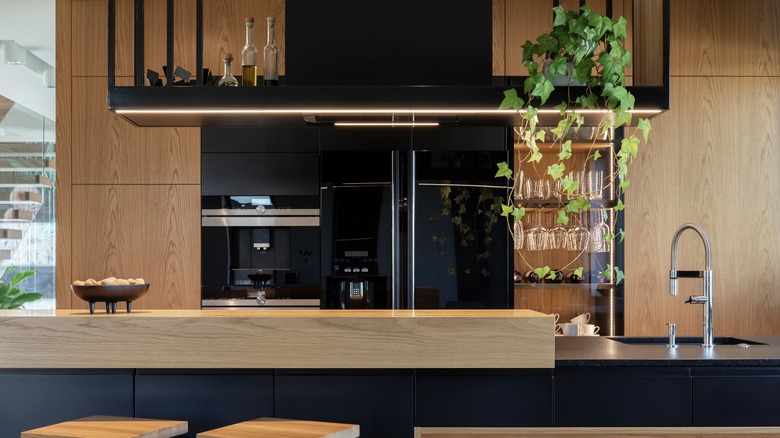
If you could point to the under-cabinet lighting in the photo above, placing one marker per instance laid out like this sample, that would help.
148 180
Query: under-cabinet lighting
412 124
356 111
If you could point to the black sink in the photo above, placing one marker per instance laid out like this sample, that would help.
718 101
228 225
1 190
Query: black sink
693 340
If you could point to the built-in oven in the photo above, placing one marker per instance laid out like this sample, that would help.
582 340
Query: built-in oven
260 252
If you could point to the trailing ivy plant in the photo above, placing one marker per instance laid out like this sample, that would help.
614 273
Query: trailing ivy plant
590 47
11 297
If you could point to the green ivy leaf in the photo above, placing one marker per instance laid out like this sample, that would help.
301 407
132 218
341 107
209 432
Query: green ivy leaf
618 275
623 118
543 89
565 152
506 210
556 170
622 235
630 145
569 185
561 107
558 67
644 126
518 213
578 271
607 273
511 100
528 51
563 218
587 101
542 272
504 170
581 203
619 28
536 156
596 155
624 184
540 135
560 16
619 206
608 238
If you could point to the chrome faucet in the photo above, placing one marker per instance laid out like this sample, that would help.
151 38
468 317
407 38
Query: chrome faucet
706 275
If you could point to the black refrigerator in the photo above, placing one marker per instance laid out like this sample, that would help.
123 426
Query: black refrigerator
411 218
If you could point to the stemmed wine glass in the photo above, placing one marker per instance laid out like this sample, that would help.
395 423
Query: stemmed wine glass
578 235
598 232
556 235
518 234
536 235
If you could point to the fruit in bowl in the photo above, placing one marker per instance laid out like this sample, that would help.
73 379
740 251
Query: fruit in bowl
110 290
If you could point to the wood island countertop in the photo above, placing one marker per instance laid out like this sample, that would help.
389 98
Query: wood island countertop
277 339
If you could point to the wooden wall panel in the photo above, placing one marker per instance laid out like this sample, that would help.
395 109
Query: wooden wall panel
224 31
712 161
62 193
525 20
110 150
149 231
725 37
90 30
499 37
648 42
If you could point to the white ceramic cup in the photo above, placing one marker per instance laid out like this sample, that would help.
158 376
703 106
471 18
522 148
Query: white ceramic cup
588 329
583 318
569 329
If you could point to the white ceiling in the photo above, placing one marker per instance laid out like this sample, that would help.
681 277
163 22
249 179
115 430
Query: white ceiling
31 23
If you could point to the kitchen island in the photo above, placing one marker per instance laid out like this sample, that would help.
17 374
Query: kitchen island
277 339
392 372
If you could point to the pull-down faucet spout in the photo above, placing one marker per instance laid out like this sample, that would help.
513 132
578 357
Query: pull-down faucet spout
705 275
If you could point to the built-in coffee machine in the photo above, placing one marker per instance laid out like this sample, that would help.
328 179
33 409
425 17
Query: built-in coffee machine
260 250
260 219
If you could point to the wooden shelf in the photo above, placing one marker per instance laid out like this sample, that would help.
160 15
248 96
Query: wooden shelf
554 286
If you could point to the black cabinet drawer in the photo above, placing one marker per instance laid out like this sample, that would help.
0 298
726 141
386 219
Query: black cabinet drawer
483 398
618 396
379 401
206 401
736 397
32 399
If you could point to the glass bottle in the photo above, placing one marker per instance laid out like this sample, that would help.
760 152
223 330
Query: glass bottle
227 79
270 56
249 56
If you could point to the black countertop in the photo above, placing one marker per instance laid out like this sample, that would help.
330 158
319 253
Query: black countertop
608 351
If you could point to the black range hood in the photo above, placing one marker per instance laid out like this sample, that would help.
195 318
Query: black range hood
400 63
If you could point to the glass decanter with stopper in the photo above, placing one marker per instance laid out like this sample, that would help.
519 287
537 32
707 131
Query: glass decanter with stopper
270 56
227 79
249 56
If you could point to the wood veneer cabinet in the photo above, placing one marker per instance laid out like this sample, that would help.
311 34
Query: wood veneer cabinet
145 230
128 197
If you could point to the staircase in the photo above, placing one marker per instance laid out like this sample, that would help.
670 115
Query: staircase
26 185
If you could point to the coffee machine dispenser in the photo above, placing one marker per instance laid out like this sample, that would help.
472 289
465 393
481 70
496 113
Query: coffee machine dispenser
356 292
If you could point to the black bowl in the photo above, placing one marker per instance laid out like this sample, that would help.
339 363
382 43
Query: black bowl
110 295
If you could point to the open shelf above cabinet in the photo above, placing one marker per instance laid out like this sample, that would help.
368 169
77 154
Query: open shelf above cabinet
293 105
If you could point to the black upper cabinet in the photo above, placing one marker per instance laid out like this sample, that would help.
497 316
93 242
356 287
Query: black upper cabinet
403 42
259 139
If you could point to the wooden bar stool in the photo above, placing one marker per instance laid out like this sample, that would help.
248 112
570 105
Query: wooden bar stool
100 426
284 428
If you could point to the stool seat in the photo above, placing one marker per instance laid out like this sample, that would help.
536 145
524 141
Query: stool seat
284 428
100 426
